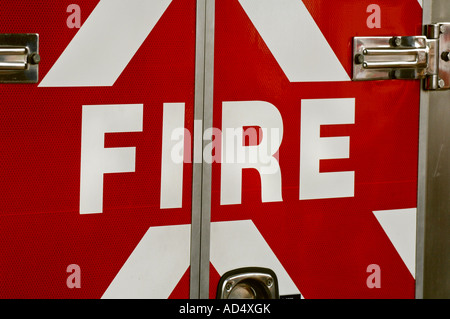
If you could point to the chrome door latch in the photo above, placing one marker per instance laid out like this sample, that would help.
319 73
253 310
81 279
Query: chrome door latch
405 57
248 283
19 58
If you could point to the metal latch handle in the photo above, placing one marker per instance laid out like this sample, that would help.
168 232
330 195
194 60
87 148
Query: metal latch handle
15 53
420 58
410 57
19 58
381 58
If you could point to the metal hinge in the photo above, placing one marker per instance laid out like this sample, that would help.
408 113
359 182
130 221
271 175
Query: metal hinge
405 57
19 58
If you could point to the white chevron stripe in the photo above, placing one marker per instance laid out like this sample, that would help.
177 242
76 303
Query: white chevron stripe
162 257
400 226
155 266
106 43
237 244
295 40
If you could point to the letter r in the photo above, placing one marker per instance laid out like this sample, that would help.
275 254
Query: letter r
97 160
235 116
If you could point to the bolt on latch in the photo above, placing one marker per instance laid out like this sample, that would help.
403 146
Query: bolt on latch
405 57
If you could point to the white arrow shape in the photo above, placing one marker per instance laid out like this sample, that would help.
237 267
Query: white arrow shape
237 244
295 40
161 258
400 226
155 266
106 43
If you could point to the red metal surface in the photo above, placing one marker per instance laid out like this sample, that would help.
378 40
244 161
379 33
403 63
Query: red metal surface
325 245
42 230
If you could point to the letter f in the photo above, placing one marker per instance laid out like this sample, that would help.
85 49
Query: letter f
97 160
